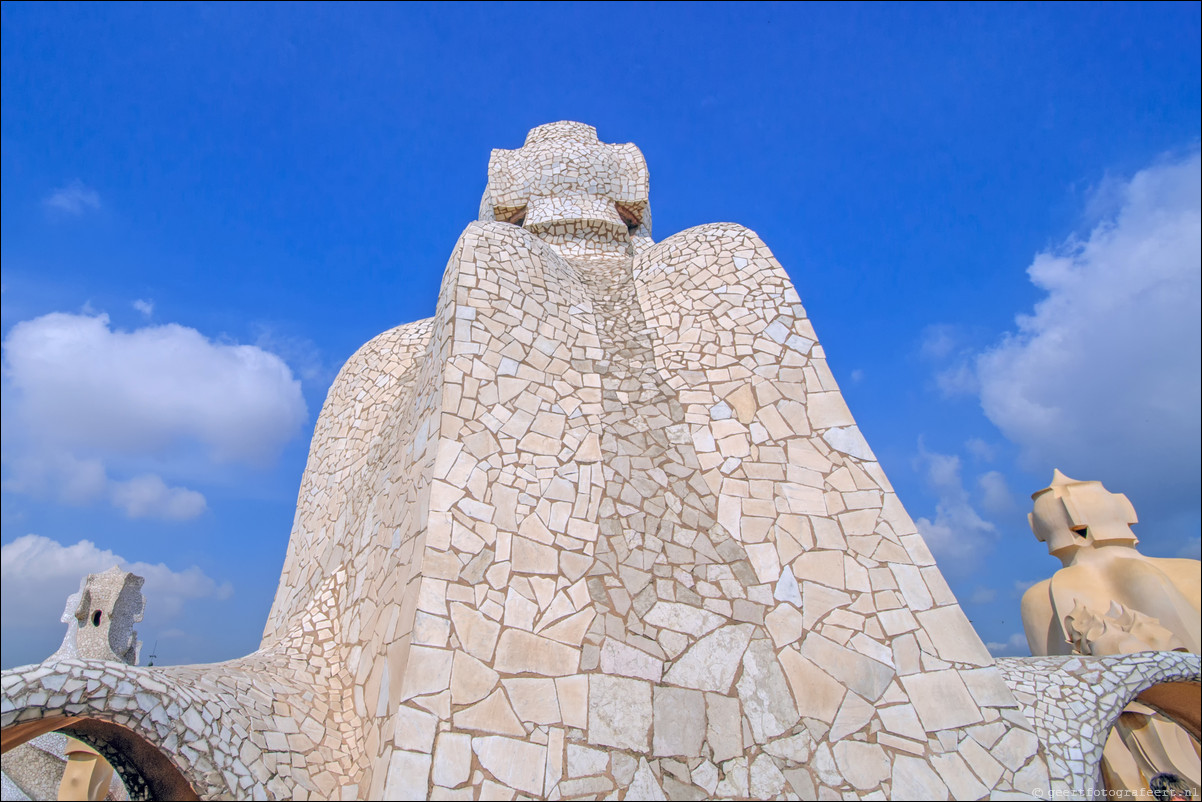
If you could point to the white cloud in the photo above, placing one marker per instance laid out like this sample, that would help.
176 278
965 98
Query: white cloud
74 199
148 496
1014 646
80 395
144 306
958 534
38 574
1102 379
79 382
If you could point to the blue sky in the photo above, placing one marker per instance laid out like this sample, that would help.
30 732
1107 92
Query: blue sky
990 212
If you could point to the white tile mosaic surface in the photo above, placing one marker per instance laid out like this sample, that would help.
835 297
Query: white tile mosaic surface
1073 702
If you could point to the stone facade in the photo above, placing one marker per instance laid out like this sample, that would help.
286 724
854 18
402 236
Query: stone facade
603 526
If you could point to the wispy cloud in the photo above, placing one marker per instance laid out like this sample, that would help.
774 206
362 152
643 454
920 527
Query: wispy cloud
300 352
996 497
957 535
982 595
144 306
75 198
957 380
945 346
56 473
1014 646
980 450
939 341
